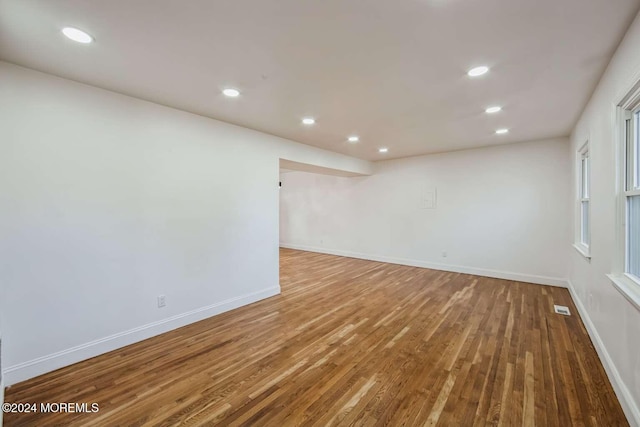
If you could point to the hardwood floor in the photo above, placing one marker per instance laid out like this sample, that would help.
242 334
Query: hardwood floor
352 342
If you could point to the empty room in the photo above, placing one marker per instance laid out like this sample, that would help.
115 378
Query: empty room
340 212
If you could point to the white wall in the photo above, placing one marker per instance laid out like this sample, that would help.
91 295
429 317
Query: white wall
614 321
107 202
501 211
2 379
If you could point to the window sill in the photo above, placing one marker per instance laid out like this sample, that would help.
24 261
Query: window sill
627 287
582 250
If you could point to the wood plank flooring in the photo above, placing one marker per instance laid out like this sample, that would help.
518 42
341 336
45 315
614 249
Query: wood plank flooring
351 342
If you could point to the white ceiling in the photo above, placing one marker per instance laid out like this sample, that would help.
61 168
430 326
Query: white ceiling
390 71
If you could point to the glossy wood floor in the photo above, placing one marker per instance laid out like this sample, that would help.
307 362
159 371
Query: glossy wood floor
352 342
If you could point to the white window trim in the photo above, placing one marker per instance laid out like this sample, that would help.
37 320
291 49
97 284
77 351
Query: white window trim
626 284
582 250
581 247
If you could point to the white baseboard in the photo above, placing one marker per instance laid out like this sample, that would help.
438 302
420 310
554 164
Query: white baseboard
32 368
528 278
629 406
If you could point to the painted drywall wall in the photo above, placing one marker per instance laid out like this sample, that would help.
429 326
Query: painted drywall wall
107 202
613 321
1 379
500 211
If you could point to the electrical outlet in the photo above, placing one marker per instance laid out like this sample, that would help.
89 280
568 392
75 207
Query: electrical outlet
161 301
444 254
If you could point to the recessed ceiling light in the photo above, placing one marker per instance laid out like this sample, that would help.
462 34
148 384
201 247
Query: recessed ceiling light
478 71
308 120
383 150
231 92
354 138
77 35
502 131
492 110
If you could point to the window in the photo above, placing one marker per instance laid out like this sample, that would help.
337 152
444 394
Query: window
626 268
584 196
583 232
632 194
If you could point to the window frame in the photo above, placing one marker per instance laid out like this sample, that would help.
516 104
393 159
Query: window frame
627 163
631 178
583 199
